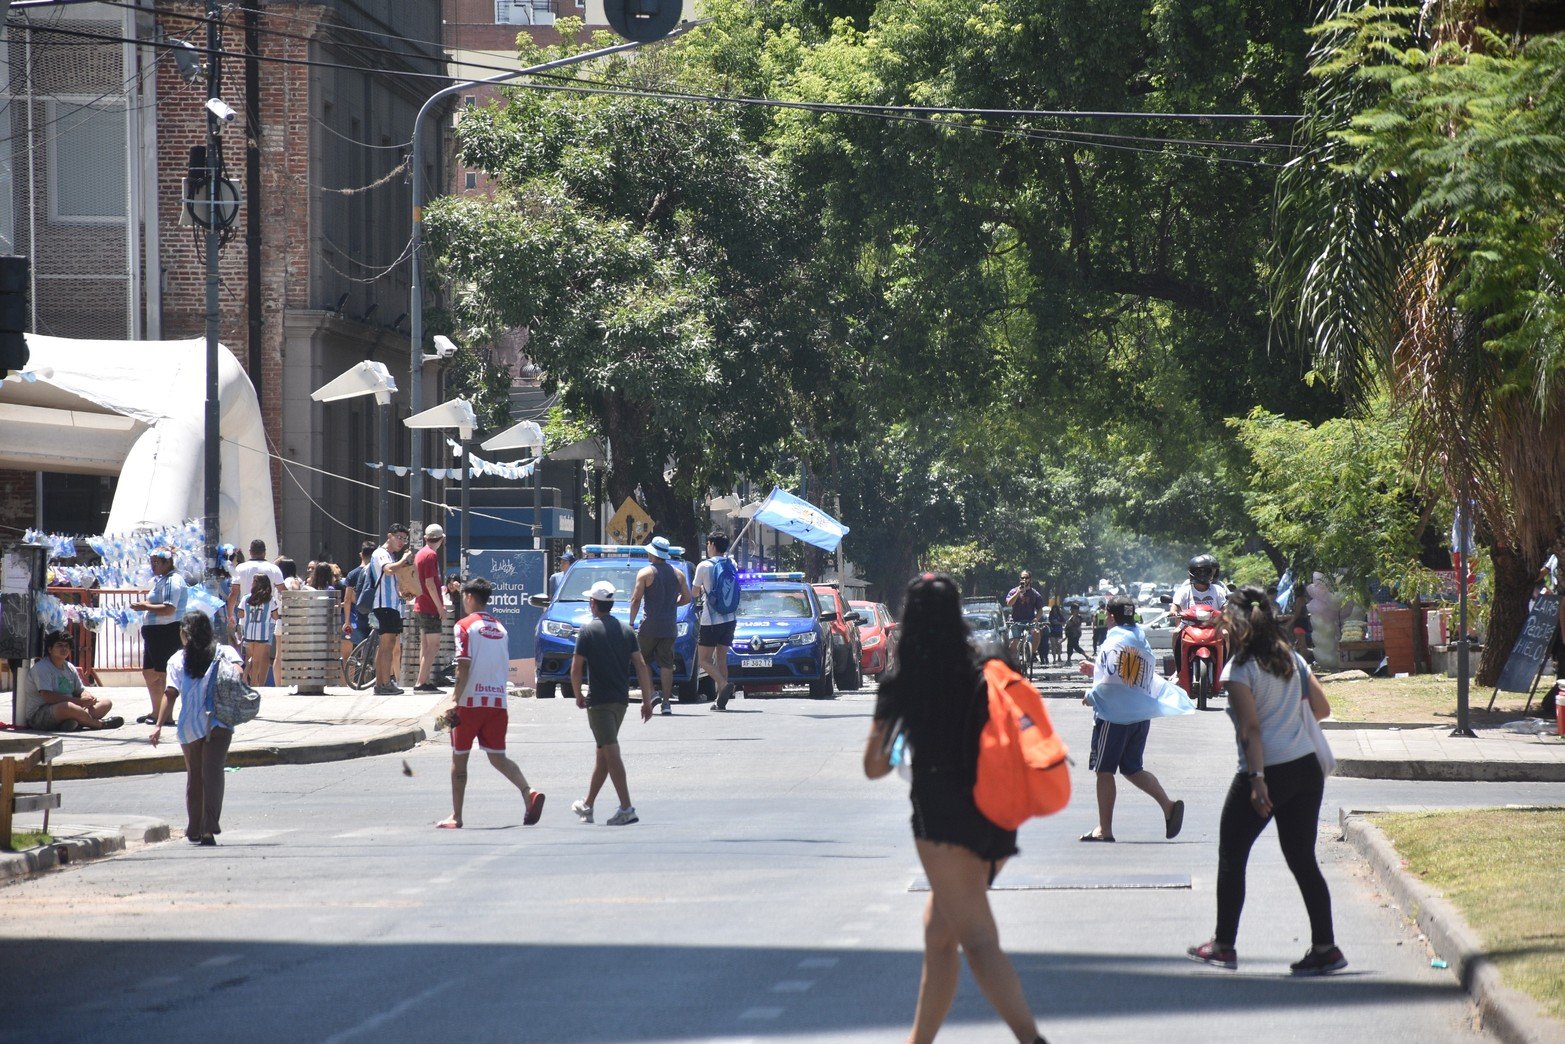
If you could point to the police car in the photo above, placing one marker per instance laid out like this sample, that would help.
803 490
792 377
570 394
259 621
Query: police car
568 610
779 638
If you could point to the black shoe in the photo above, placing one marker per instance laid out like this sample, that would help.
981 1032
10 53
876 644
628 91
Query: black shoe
146 719
208 842
426 688
1319 962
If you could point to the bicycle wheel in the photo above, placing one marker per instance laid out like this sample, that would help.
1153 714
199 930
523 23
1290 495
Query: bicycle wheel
361 664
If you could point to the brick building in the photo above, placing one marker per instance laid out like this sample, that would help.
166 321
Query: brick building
95 135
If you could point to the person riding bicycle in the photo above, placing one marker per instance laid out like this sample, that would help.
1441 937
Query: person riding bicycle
1203 588
1026 604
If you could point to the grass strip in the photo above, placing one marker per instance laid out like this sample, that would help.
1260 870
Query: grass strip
29 839
1504 869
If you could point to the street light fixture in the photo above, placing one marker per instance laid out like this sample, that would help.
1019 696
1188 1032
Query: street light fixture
369 378
458 414
526 436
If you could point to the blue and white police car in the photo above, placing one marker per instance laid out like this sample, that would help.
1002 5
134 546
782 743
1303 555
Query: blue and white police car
565 614
779 637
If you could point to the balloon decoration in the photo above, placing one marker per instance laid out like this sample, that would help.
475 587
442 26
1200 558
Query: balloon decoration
122 564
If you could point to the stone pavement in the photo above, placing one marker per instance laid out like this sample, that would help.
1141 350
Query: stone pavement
1430 752
290 730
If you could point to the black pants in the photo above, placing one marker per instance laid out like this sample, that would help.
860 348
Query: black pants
1073 646
1295 788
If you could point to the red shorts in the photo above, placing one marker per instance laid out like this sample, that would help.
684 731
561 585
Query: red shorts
486 724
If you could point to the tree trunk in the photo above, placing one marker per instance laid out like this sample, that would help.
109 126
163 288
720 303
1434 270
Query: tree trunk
1513 583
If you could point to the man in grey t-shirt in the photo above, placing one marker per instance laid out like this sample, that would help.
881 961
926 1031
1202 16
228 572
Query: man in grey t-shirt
605 651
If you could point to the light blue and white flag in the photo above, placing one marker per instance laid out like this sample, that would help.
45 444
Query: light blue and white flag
1285 591
801 520
1126 687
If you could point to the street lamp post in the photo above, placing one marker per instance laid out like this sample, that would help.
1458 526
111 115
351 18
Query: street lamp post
526 436
458 414
416 275
369 378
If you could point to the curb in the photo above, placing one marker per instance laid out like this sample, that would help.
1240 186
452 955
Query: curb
81 848
1453 771
1510 1015
305 754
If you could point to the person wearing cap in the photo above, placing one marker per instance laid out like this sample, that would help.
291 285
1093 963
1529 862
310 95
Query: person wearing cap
160 613
660 591
427 606
605 651
558 576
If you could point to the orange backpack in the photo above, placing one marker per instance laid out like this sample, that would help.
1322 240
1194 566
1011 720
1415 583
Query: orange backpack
1022 762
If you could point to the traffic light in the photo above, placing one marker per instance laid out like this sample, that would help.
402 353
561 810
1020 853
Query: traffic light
15 275
643 20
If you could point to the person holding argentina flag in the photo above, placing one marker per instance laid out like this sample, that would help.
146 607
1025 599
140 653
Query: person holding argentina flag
1127 693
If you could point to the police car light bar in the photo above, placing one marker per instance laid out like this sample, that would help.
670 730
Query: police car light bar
625 550
753 578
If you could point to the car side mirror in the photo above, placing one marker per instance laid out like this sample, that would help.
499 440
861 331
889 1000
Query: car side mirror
539 601
855 618
829 615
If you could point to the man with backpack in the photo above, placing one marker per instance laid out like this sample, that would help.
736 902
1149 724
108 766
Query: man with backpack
717 590
358 597
1126 694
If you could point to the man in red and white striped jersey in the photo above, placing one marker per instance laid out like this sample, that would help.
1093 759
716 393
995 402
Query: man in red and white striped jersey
483 661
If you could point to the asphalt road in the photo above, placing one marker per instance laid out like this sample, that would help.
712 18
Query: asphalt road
763 896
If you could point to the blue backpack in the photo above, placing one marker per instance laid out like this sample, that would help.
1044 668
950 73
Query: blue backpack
724 596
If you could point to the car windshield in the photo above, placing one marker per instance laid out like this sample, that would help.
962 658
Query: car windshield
979 621
868 611
760 603
578 580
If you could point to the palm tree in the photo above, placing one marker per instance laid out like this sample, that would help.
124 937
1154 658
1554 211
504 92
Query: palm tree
1420 250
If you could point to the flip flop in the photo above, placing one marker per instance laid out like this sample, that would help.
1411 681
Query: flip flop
1090 836
534 809
446 824
1176 820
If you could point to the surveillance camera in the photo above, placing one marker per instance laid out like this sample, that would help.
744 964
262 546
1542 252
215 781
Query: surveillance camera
445 347
221 109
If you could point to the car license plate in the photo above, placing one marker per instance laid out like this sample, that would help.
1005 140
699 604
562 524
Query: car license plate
756 661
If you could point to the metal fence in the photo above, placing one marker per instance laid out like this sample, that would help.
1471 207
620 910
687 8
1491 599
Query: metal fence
110 647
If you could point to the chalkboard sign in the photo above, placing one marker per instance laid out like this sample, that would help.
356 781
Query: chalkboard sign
1536 638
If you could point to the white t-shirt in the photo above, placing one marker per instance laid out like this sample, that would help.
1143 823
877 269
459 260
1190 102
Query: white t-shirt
482 641
194 719
246 572
1186 595
1283 735
386 594
704 580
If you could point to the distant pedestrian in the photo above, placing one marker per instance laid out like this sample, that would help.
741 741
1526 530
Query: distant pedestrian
358 603
1100 625
246 572
290 573
660 590
1279 778
160 612
557 577
937 697
483 664
428 607
715 632
192 671
258 624
322 577
1119 747
606 649
1073 624
1056 631
63 701
389 559
223 620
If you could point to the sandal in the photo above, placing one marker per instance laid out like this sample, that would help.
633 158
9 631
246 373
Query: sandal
1093 835
1175 821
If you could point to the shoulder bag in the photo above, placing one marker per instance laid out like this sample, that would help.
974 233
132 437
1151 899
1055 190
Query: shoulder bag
1323 754
234 702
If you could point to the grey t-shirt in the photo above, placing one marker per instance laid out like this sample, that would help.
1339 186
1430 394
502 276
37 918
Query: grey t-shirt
1283 736
607 644
60 681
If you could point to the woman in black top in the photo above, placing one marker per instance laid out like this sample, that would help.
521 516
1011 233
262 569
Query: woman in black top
936 695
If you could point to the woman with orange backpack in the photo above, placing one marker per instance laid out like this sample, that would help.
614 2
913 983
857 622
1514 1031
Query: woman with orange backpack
936 702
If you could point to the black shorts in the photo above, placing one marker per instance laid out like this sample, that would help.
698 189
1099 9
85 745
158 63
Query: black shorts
714 635
944 812
388 621
158 643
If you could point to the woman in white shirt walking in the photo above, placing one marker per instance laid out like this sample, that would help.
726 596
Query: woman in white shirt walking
192 672
1279 778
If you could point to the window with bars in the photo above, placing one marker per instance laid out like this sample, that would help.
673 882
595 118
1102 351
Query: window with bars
82 187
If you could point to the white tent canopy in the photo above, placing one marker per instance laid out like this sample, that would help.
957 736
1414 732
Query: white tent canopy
135 409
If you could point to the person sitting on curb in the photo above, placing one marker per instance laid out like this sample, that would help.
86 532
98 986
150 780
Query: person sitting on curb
64 703
1126 695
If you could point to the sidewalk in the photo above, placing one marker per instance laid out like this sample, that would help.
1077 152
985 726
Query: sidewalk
1430 752
79 839
290 730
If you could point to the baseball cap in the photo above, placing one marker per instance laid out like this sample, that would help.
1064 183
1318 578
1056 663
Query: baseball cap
657 547
434 532
602 591
567 556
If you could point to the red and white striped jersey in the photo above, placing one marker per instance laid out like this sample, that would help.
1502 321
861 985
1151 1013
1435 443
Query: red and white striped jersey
481 639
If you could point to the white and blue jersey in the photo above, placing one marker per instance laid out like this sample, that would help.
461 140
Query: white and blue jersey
169 589
260 621
386 594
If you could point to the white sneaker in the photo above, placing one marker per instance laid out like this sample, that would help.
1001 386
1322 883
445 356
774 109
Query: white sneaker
583 811
624 817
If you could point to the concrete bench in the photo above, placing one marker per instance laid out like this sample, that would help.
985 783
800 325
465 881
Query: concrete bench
13 803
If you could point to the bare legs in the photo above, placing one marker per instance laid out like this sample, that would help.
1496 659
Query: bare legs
609 766
1107 792
428 649
958 917
387 653
504 765
156 681
714 660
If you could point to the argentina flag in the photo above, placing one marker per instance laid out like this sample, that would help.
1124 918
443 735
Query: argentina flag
801 520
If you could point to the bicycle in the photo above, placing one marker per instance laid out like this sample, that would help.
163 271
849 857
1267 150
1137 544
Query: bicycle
359 670
1025 653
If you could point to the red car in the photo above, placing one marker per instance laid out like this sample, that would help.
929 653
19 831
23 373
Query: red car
843 623
878 632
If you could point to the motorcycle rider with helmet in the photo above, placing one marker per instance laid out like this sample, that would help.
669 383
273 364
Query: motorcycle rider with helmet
1203 588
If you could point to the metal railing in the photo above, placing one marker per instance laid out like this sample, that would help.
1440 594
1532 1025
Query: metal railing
111 647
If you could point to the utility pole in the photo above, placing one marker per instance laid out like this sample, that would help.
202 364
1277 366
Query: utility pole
211 502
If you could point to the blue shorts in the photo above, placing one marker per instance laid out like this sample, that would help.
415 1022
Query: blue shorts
1118 748
1019 626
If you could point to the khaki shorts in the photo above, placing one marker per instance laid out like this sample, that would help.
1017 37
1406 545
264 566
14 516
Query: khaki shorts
656 651
604 720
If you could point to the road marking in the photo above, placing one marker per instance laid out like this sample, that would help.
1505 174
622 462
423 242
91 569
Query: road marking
750 1013
361 833
793 986
157 983
818 962
848 944
240 836
220 960
412 891
374 1022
